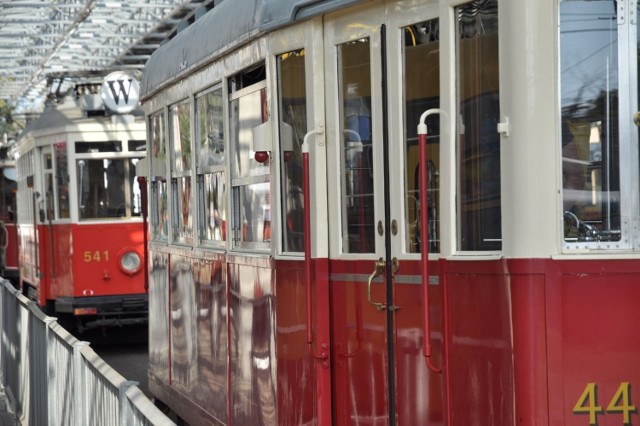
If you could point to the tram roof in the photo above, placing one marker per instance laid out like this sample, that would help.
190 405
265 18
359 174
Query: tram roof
60 116
225 27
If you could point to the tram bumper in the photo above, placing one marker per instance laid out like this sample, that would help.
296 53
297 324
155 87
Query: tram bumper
105 311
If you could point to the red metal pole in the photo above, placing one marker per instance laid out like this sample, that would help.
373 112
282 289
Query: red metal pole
424 251
307 240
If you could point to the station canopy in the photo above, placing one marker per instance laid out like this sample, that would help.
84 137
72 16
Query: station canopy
44 43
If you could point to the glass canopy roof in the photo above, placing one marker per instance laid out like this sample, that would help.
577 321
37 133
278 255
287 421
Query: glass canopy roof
47 40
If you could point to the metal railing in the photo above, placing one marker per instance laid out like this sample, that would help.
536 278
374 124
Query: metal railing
52 378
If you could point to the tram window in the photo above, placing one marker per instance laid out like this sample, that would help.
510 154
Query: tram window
180 139
62 180
91 147
135 194
136 146
421 93
213 193
479 198
590 113
292 106
212 189
25 169
101 189
354 64
251 225
252 222
159 217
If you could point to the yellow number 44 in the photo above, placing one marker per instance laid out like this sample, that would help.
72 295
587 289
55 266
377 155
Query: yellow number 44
620 403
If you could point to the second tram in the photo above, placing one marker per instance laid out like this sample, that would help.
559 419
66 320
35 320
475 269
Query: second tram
79 213
401 212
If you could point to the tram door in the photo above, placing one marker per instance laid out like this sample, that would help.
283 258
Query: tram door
382 72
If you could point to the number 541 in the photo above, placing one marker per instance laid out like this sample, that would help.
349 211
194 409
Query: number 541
620 403
96 256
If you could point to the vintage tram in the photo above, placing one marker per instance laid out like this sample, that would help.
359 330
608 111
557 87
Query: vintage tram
80 227
400 212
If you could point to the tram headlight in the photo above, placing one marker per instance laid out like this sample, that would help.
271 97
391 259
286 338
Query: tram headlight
130 262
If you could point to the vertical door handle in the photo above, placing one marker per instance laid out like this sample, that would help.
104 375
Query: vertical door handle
377 271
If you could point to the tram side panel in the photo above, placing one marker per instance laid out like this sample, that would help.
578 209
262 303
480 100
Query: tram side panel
223 346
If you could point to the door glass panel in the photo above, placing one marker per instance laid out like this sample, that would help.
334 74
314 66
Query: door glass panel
354 67
293 126
589 102
421 93
479 142
62 180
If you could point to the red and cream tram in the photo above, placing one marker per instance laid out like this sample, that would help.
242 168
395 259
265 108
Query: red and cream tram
400 212
80 229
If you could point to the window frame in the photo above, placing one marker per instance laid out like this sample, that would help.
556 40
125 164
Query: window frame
238 183
203 170
184 174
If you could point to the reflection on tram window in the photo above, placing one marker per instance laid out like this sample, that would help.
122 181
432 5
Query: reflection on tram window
211 168
180 139
358 232
159 217
209 109
479 201
293 127
251 222
182 214
214 204
421 93
590 140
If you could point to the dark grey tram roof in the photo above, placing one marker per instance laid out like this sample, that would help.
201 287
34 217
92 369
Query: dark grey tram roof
225 27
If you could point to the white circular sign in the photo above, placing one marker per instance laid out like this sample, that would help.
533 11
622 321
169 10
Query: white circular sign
120 92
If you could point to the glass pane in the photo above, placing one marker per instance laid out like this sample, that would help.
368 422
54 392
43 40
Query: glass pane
135 196
62 180
180 137
293 127
183 214
101 188
158 144
421 93
590 143
49 196
253 210
91 147
160 212
356 150
210 129
137 146
214 202
479 142
247 112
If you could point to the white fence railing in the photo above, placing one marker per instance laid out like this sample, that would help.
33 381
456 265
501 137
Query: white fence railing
52 378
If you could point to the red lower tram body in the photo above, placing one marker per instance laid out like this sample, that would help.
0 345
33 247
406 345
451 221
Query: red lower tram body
77 272
519 341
